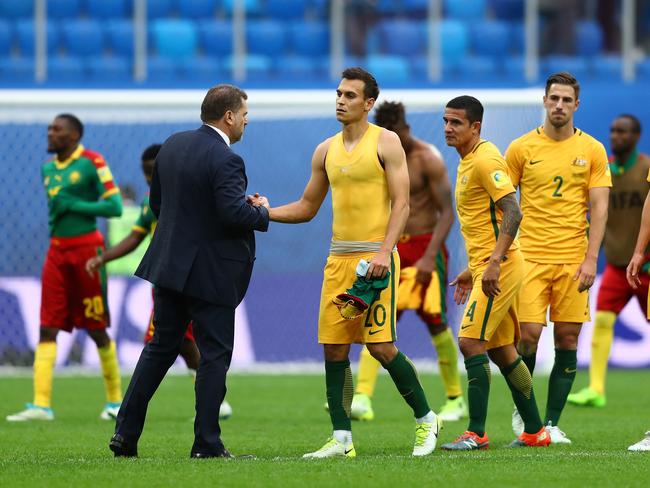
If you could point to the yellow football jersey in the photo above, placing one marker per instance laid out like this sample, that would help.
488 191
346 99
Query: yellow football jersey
554 179
482 179
360 198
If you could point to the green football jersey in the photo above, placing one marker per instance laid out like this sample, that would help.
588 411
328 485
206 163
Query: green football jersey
84 176
146 222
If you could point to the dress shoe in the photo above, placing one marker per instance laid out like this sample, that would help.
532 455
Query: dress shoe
121 447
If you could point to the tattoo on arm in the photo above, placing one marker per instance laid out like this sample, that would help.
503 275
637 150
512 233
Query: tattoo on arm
511 214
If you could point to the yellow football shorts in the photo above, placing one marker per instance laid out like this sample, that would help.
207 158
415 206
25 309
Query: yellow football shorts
494 319
552 285
377 324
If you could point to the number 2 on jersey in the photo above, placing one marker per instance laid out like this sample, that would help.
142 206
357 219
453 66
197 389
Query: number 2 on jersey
559 181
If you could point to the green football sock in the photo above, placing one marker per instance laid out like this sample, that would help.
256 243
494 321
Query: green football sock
529 361
560 383
338 379
478 391
521 386
406 379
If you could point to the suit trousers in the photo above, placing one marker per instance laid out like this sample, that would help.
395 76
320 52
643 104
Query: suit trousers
214 331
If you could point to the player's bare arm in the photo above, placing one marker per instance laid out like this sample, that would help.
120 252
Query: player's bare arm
439 186
509 226
638 258
304 209
599 201
392 155
122 248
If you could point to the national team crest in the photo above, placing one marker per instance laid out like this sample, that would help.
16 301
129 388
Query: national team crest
74 177
580 161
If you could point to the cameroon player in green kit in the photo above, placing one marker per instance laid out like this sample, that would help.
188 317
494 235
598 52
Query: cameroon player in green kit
79 188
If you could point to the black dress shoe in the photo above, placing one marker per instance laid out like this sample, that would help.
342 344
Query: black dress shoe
206 455
121 447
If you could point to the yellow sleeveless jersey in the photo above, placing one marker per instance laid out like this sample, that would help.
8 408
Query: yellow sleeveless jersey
360 198
482 179
554 179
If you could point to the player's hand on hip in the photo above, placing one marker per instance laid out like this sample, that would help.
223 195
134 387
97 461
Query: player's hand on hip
586 274
633 270
378 266
93 264
490 279
463 283
424 266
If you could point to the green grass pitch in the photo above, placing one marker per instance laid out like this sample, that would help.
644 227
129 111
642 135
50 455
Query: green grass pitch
278 418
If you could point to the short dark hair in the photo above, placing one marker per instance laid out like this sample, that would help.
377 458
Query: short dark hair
151 152
370 87
390 115
636 124
472 107
74 121
563 78
219 100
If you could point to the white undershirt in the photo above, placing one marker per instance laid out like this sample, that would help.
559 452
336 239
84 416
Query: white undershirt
221 133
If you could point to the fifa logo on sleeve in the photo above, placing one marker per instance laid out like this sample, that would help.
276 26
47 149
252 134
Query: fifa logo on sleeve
499 178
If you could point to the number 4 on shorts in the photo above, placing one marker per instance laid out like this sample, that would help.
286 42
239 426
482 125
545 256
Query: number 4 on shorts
470 311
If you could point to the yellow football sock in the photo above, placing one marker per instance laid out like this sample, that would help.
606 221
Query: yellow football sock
601 343
448 362
111 372
44 359
368 370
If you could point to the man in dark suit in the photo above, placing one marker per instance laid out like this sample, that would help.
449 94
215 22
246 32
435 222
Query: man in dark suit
200 260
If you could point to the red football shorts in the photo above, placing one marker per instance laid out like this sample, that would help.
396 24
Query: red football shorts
189 334
70 297
615 292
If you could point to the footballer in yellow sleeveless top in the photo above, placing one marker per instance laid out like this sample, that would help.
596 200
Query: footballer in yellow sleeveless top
482 179
360 199
361 210
554 178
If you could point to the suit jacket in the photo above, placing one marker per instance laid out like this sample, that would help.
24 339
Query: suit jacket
204 244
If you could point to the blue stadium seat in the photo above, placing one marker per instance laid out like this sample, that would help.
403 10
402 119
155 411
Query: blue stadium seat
16 9
252 7
65 69
414 6
643 70
196 9
388 7
309 38
298 68
207 69
16 69
174 38
25 36
5 38
478 67
454 40
162 70
265 37
258 67
420 68
465 9
109 69
490 38
216 37
108 9
317 8
575 65
403 37
589 38
514 67
389 68
82 37
286 9
63 9
517 37
159 8
119 36
607 67
508 9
